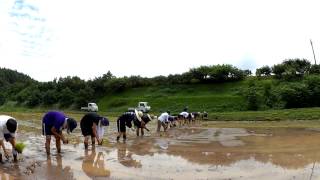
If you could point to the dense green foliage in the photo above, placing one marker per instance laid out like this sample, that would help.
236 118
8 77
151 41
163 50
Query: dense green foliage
294 83
73 92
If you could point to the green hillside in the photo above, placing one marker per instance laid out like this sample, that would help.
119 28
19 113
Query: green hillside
198 97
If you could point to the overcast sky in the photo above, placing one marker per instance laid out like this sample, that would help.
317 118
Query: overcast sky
56 38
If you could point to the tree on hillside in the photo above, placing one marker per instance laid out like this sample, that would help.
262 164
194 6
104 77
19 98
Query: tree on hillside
73 83
247 72
217 73
263 71
66 97
201 73
315 69
300 66
84 96
291 68
278 70
49 97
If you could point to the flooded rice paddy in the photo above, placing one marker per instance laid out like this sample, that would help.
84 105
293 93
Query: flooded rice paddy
195 152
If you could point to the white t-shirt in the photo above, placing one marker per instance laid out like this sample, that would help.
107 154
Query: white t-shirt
100 130
164 117
184 114
3 126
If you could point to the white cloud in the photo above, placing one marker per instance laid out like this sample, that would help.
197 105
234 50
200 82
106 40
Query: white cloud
87 38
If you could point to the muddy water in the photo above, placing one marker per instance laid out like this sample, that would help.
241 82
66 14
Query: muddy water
181 153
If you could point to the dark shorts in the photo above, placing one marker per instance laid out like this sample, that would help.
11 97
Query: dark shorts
46 129
121 125
137 123
87 131
7 137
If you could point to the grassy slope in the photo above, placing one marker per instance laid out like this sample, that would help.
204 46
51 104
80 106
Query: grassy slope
209 97
222 101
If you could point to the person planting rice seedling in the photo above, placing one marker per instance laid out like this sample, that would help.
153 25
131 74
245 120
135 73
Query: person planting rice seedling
126 120
53 123
204 115
183 116
162 121
196 116
141 125
190 118
172 121
8 128
92 126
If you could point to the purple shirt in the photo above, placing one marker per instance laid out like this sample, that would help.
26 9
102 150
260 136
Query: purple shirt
55 119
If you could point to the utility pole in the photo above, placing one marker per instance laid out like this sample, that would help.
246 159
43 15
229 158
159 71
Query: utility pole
314 56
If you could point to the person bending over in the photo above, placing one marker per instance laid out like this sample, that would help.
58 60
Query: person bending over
125 120
53 123
8 128
91 125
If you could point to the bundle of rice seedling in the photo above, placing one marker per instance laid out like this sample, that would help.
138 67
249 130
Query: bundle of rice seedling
20 146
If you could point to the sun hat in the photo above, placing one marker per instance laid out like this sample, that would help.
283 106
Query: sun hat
104 121
138 114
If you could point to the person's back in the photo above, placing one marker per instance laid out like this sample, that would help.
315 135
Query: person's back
88 120
184 114
54 118
53 123
163 117
127 118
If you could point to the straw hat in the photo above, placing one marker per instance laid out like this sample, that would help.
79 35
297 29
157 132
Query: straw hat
139 114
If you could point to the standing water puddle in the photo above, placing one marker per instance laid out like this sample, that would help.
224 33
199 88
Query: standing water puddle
186 153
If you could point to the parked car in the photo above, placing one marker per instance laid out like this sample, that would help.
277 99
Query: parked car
92 107
142 106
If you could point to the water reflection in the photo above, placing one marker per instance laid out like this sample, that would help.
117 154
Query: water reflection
55 169
93 164
288 148
189 153
5 176
125 156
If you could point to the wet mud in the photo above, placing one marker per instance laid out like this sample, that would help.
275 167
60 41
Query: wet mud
181 153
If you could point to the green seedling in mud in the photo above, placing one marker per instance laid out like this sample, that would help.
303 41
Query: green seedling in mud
20 146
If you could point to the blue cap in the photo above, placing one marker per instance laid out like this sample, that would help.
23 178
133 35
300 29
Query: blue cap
104 121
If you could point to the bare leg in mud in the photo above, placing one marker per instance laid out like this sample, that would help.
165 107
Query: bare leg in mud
86 142
158 126
47 145
58 144
93 140
142 131
119 135
123 135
